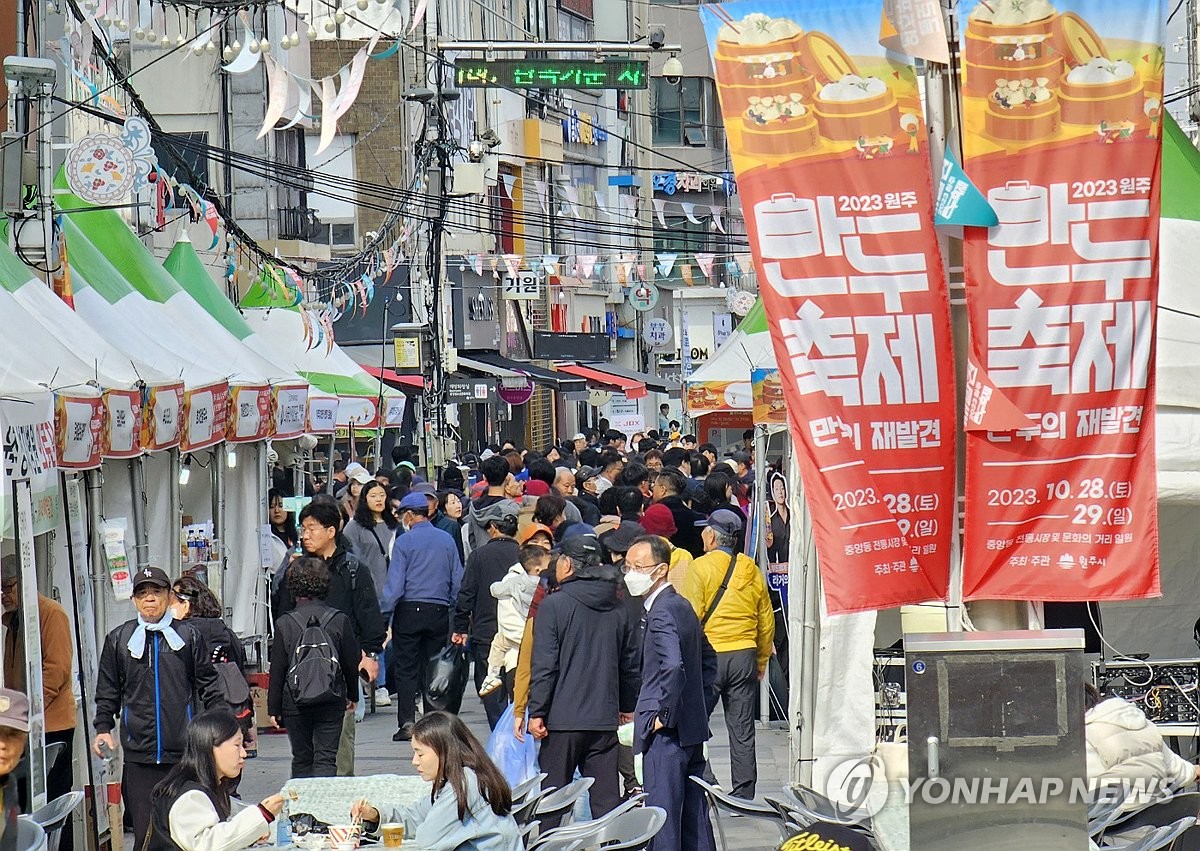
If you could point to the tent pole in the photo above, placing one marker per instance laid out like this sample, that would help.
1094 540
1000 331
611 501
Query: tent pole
137 487
758 519
803 627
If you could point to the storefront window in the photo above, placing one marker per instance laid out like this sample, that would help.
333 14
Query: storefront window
684 111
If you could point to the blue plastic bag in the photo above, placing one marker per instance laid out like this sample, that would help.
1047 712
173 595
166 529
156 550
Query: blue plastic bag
516 760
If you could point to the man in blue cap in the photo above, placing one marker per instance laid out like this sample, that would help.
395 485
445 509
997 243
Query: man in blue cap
421 589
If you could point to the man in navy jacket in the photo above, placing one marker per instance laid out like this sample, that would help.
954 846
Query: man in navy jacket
670 725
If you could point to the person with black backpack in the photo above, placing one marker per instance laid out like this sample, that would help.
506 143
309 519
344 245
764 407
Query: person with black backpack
314 670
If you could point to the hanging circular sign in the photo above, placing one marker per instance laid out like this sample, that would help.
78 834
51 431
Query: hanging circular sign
643 296
657 333
517 395
599 398
100 169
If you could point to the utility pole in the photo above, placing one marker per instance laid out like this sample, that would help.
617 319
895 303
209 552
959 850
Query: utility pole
1193 60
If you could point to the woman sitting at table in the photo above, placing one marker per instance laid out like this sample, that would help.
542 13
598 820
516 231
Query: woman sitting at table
191 806
468 806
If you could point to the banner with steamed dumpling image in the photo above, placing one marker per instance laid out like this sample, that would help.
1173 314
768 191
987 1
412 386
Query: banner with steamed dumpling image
1062 105
828 140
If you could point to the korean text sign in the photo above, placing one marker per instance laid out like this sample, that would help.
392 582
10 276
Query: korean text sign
829 146
1061 118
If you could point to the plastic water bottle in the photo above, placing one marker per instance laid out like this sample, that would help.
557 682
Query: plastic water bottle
283 829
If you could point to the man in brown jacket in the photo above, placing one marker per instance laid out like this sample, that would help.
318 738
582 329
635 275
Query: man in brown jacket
58 652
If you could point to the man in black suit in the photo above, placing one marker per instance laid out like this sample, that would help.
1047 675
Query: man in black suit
670 724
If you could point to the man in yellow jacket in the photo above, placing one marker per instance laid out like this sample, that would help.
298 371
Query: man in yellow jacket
730 597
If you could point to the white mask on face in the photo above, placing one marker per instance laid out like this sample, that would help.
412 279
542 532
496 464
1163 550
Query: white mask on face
639 584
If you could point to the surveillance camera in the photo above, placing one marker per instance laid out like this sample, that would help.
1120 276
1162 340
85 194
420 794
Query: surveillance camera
657 38
672 70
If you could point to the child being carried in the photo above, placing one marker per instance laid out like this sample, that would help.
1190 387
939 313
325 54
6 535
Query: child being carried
514 594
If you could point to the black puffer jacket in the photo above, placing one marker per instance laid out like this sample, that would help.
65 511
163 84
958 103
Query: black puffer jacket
157 695
352 592
585 657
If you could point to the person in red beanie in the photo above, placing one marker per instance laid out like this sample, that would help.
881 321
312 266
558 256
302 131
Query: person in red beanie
658 520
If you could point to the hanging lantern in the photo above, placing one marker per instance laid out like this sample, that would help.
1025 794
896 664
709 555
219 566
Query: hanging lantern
340 16
227 53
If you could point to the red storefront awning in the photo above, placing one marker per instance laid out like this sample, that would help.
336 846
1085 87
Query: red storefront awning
390 376
632 388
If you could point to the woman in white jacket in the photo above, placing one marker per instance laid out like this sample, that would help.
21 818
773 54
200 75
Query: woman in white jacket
1125 749
191 806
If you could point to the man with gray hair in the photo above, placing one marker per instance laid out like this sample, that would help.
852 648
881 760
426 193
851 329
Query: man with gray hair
578 510
584 676
729 595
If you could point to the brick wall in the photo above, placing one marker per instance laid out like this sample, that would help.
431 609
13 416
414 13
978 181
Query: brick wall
379 156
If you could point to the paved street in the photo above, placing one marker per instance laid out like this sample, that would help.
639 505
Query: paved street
378 754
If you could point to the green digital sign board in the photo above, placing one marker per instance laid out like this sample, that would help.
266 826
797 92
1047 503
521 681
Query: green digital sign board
550 74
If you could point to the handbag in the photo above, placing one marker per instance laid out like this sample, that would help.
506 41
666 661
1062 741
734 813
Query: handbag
712 607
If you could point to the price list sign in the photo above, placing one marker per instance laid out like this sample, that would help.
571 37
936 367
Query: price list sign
551 74
1061 486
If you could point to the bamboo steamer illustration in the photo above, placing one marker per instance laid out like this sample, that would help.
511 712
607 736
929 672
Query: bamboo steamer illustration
1097 89
1008 39
1021 111
758 57
848 106
1023 212
779 126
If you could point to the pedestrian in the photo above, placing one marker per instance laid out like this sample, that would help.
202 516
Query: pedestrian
584 675
194 603
14 735
192 808
423 581
371 532
496 473
305 695
670 725
283 523
153 673
469 802
668 490
449 518
352 592
514 596
356 477
729 595
475 611
58 653
658 520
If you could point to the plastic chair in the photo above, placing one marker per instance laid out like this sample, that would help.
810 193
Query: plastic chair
561 802
30 836
587 829
816 807
53 751
1104 809
53 817
718 800
529 833
631 830
524 812
521 791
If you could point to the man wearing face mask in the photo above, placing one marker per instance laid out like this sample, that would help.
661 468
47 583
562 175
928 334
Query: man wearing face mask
670 724
152 669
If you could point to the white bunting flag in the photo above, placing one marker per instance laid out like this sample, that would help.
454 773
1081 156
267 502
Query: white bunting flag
666 262
540 186
550 261
587 265
718 217
513 262
660 205
508 180
689 210
704 260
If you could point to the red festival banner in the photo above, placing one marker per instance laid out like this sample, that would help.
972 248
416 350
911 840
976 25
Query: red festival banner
829 145
1061 117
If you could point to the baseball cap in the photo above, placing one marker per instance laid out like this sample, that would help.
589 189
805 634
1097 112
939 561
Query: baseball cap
526 534
738 457
14 710
409 464
10 567
725 521
619 540
151 575
584 473
358 473
414 500
579 436
536 487
658 520
486 454
730 463
425 489
585 548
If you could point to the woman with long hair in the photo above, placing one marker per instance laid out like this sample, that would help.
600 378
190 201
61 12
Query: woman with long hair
372 530
283 522
468 805
191 807
449 518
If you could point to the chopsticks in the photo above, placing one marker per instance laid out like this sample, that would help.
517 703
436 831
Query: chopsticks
719 10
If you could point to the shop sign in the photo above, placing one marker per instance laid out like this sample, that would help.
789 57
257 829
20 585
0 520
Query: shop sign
469 391
205 416
583 128
516 395
657 333
250 414
358 411
290 405
30 453
161 417
670 182
322 414
122 433
78 423
643 296
523 286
